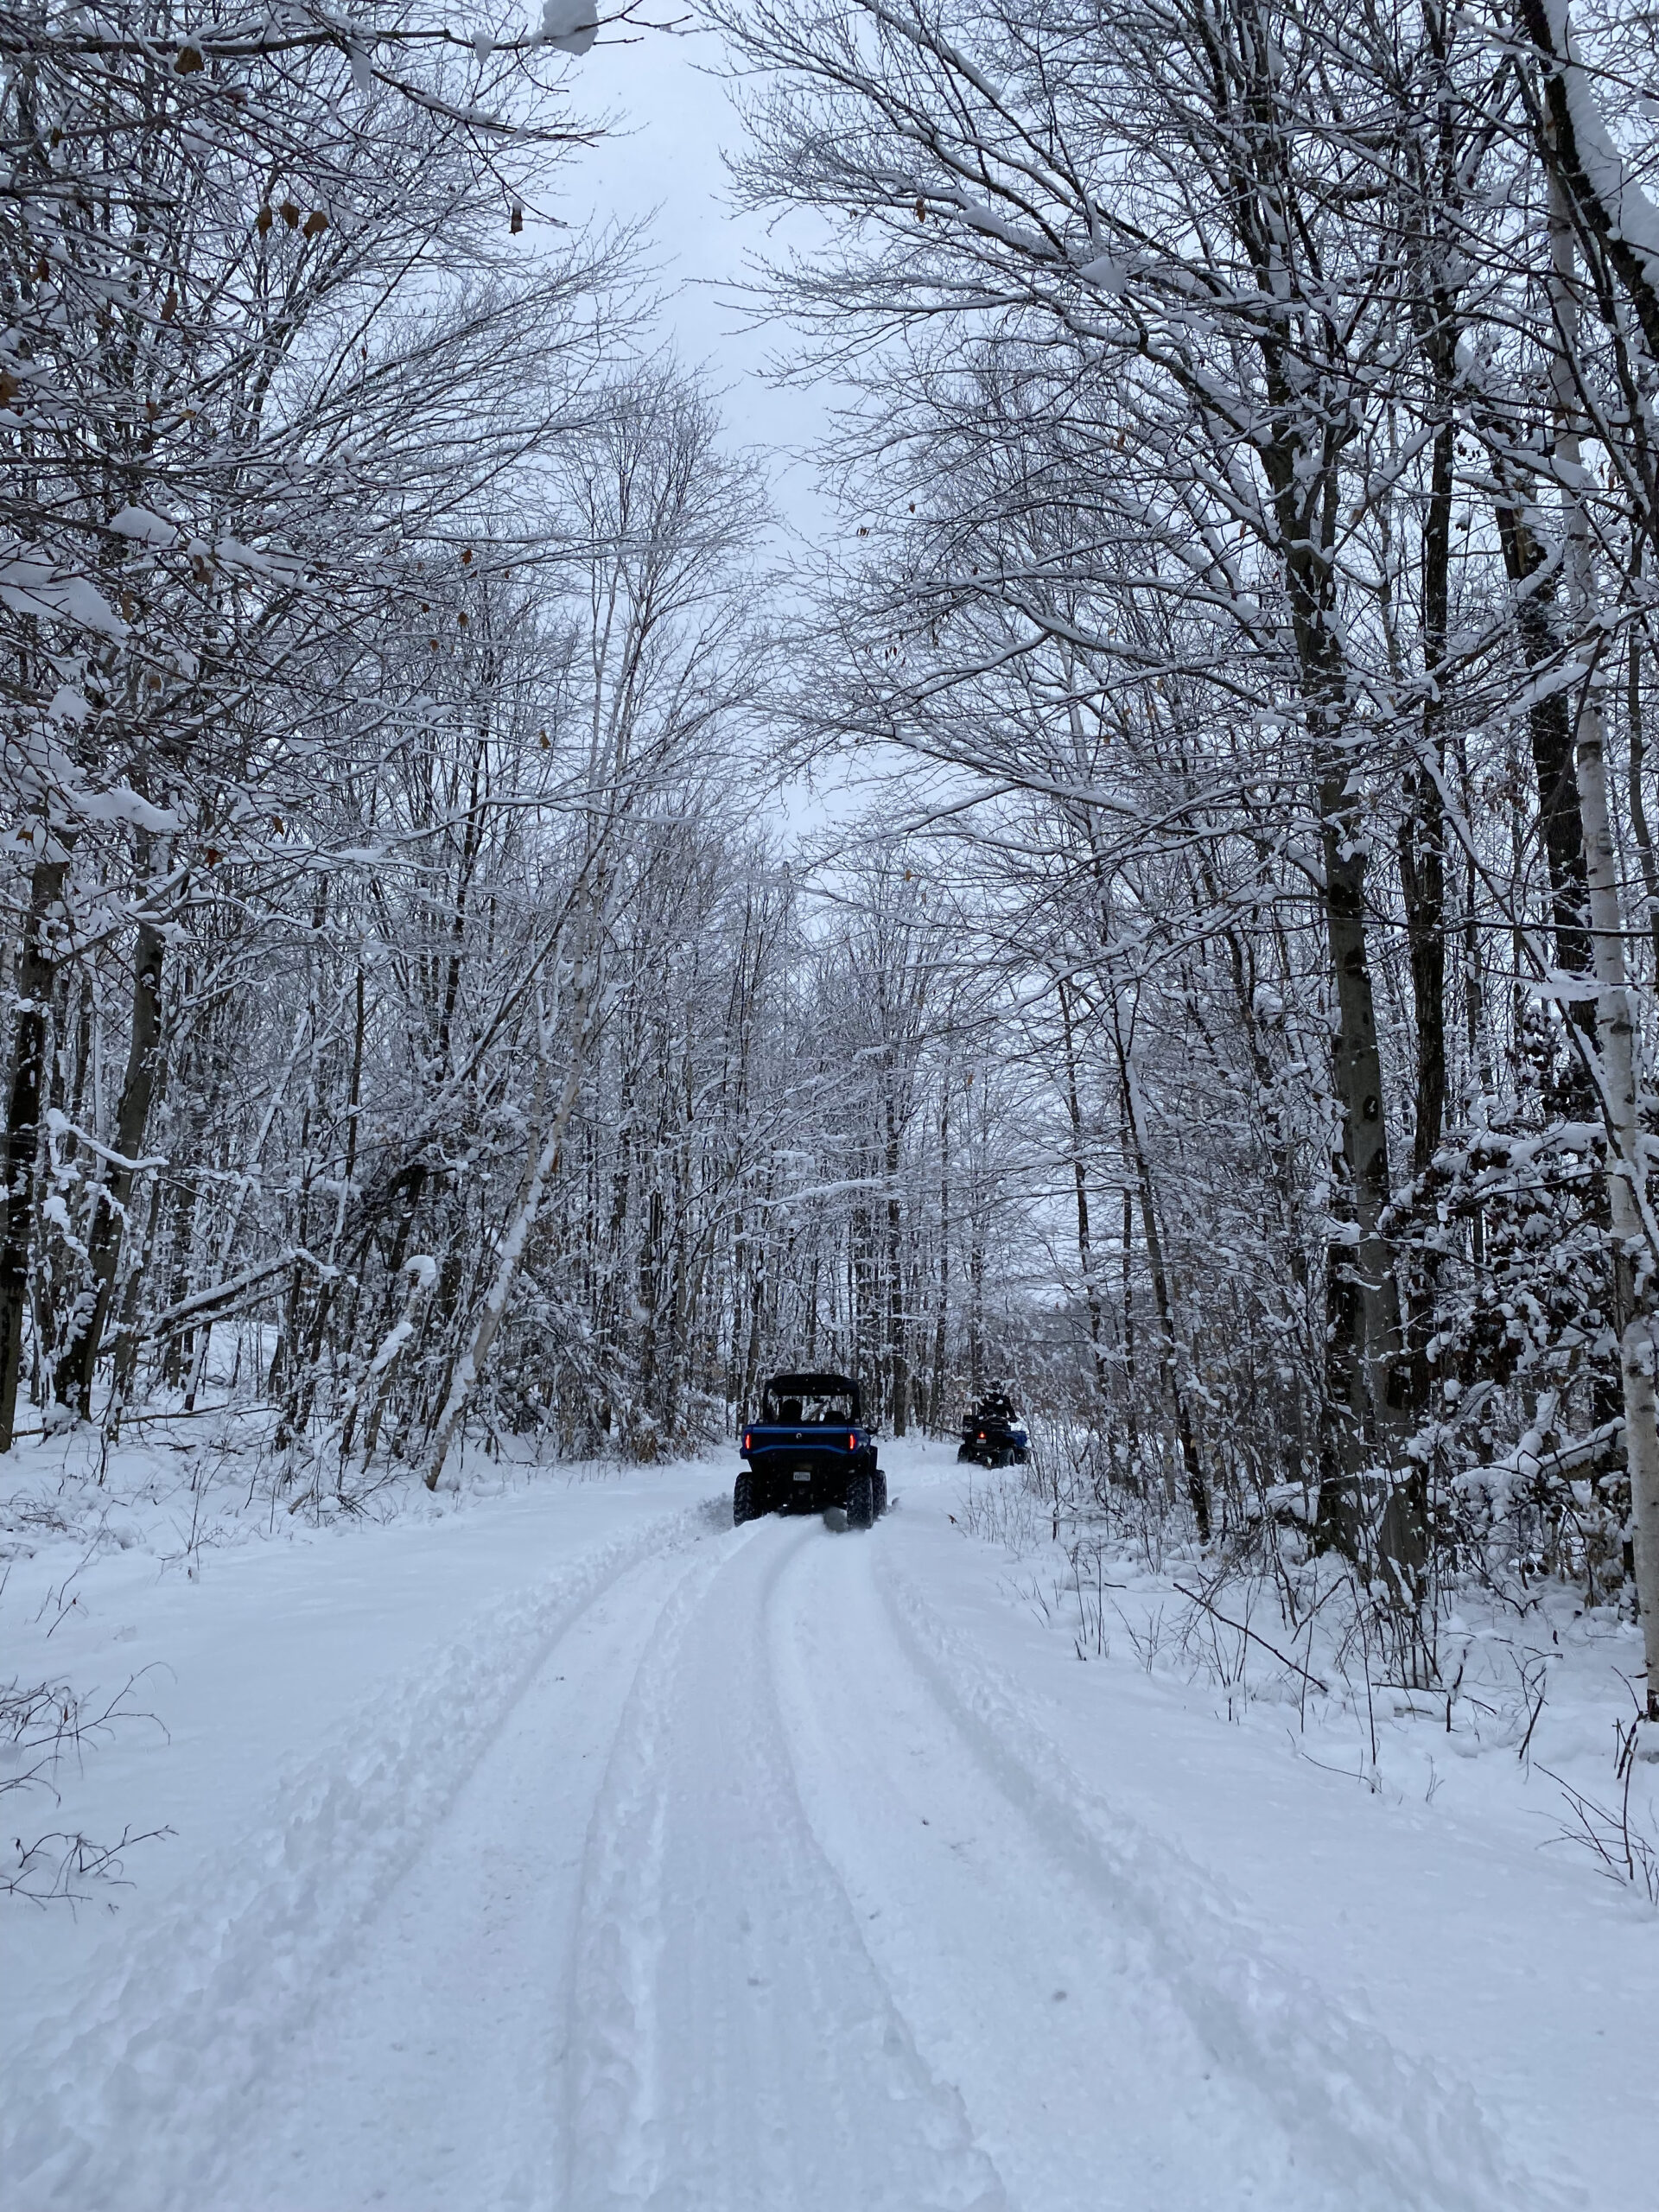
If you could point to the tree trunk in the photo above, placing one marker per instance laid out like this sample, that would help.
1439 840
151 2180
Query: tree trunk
1549 727
1169 1368
1422 873
127 1334
1368 1387
898 1340
1422 830
1635 1240
1131 1377
1362 1415
542 1167
935 1395
326 1290
1627 1177
36 973
866 1317
73 1379
1422 848
1080 1183
1637 722
977 1313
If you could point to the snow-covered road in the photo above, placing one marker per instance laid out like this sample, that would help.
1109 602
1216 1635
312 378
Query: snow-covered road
717 1870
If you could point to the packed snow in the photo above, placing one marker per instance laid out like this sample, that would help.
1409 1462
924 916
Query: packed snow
555 1843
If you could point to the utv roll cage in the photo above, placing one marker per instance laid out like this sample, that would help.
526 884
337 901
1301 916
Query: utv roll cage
789 1399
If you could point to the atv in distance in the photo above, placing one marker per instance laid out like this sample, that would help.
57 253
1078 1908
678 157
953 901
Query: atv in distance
995 1434
810 1452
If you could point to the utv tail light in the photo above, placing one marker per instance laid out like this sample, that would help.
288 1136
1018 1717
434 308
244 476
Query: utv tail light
852 1444
748 1440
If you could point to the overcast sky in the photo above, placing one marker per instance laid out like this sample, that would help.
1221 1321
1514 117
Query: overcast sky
663 161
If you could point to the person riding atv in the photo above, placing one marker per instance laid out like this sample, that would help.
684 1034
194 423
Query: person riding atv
995 1434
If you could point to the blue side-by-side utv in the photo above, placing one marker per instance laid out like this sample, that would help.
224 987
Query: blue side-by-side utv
810 1452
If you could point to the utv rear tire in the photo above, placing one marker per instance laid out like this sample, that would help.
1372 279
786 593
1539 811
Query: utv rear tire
880 1482
861 1502
742 1500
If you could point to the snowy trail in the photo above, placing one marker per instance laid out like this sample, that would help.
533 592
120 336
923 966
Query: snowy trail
723 1874
242 2050
734 2044
1087 2081
429 2074
1117 2040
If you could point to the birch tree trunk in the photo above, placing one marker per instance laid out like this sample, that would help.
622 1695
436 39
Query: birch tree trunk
1635 1250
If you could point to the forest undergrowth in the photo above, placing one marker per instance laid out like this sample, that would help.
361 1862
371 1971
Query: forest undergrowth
176 1492
1504 1683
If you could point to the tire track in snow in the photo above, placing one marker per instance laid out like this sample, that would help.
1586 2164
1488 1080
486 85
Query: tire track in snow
733 2046
1389 2129
139 2094
1082 2078
428 2077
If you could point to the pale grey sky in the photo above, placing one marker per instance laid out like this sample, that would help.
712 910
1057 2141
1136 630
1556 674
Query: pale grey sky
663 161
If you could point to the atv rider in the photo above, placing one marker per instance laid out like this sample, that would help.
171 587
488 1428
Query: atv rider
995 1432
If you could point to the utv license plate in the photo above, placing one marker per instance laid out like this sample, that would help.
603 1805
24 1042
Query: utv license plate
803 1474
